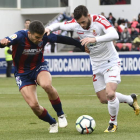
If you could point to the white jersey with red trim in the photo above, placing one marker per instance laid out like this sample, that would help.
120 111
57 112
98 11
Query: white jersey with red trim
103 50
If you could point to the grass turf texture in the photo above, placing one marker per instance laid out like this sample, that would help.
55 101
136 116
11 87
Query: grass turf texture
17 121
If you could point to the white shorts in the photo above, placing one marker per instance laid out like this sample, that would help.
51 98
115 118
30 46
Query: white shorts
105 75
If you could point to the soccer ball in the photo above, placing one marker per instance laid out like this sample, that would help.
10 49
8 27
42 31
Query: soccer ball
85 124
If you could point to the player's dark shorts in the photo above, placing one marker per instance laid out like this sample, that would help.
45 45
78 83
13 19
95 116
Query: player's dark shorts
30 79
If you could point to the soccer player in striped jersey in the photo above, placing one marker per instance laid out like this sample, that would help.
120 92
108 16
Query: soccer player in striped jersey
97 34
31 69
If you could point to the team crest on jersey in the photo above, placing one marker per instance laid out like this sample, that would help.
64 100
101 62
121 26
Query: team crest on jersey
12 37
94 32
40 44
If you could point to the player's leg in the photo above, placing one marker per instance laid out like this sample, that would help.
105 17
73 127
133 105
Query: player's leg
30 96
113 106
102 96
112 79
99 87
130 99
44 79
135 105
124 98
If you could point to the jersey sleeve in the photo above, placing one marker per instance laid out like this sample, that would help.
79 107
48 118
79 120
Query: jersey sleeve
14 38
110 32
70 41
50 38
67 26
63 39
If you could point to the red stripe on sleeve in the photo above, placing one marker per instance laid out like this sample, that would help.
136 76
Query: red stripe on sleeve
71 21
94 18
102 21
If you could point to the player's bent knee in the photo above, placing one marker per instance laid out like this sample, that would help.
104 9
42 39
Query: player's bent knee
111 96
103 101
47 87
34 106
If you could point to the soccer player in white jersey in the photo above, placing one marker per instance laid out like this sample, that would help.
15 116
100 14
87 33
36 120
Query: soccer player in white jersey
97 34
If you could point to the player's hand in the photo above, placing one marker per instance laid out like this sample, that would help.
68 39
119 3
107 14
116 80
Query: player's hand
5 42
47 30
86 49
87 40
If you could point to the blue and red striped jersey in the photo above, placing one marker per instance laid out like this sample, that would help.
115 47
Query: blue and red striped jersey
27 55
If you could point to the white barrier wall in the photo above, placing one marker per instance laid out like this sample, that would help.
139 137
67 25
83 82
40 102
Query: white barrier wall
10 21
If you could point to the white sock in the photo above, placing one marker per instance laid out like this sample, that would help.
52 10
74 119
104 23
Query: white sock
113 108
124 98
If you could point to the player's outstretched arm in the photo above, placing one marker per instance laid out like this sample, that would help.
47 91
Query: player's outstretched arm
64 40
110 35
66 26
4 42
70 41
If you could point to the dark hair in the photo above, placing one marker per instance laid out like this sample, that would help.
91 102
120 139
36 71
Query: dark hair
27 20
36 27
80 11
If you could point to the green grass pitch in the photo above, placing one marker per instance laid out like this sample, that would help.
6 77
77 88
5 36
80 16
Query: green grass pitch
17 121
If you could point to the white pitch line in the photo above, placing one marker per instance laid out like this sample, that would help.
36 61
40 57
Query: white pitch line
138 94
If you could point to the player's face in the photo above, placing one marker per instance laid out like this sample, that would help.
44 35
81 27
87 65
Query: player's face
84 21
27 23
35 38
